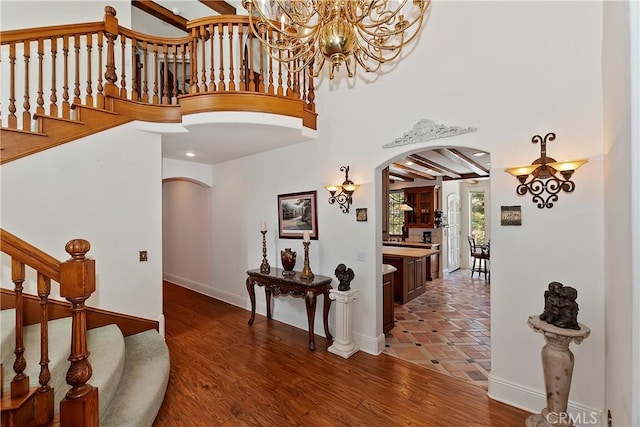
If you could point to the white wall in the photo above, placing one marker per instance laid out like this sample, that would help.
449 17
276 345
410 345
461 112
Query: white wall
619 319
186 234
105 189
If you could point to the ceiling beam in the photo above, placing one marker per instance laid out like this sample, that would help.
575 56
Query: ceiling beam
401 176
466 176
458 157
426 163
162 13
222 7
412 172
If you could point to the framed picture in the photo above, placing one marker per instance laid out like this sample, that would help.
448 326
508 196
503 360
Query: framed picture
510 215
361 214
297 213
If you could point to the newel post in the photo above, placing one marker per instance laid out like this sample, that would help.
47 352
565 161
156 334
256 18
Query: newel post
111 33
77 282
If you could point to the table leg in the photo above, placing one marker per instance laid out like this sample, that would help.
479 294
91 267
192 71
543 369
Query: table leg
252 297
267 294
325 315
310 299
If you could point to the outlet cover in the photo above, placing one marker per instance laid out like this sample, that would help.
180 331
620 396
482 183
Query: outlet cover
143 256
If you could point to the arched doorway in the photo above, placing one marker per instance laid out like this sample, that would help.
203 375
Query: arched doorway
447 328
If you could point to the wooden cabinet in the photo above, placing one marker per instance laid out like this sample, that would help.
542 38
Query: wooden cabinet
415 277
387 302
424 201
385 203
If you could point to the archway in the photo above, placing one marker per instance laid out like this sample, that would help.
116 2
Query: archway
447 328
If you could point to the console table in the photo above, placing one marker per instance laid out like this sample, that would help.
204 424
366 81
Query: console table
309 289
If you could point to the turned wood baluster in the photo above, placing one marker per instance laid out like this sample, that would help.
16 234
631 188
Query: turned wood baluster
89 98
174 93
26 114
20 383
123 62
111 33
260 82
232 83
76 90
251 74
44 398
242 53
296 81
312 94
212 72
13 119
165 74
100 88
203 36
280 85
66 108
271 89
145 67
193 54
184 68
77 283
221 85
155 98
53 107
289 72
40 98
135 84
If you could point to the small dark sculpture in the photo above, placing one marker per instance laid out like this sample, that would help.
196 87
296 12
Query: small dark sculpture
560 306
345 276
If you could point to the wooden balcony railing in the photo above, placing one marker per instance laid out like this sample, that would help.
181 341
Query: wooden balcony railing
47 70
35 406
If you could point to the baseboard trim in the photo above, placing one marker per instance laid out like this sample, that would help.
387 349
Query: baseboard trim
209 291
534 401
368 344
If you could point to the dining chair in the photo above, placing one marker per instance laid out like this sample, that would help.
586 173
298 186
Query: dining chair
481 254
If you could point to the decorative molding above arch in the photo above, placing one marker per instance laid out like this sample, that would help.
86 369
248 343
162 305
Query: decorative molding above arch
426 130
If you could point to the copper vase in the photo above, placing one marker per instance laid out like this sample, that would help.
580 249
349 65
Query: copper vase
288 258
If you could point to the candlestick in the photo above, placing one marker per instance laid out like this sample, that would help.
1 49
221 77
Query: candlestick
264 267
306 236
306 270
263 226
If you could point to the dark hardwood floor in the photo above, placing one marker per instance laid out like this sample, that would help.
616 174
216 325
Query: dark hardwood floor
224 372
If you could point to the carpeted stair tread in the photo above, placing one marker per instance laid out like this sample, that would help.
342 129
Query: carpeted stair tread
106 345
143 382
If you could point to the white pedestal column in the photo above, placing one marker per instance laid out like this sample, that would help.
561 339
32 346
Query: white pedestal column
343 344
557 365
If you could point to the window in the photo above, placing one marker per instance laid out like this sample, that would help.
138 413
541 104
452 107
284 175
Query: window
396 216
477 226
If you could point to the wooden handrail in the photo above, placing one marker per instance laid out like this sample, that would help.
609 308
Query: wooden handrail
29 255
33 34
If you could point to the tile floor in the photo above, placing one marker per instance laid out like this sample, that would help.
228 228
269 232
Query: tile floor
447 328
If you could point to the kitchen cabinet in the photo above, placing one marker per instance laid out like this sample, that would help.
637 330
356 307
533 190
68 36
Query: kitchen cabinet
413 267
424 201
388 315
385 203
434 271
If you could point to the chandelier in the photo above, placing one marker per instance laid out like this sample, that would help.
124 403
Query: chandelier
307 33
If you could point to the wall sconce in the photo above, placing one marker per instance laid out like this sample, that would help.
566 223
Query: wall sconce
346 191
541 178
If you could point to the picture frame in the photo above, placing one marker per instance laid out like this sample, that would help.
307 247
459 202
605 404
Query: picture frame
297 213
361 214
510 215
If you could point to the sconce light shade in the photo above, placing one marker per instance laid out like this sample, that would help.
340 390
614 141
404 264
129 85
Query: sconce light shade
344 190
541 178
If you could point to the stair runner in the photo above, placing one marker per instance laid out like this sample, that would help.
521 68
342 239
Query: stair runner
131 373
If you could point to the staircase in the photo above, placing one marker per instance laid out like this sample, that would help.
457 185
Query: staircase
131 373
85 367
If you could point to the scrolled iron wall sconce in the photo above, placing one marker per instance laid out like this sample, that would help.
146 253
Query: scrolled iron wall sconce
346 190
541 179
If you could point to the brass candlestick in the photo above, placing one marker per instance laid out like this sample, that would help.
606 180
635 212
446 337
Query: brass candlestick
306 270
264 267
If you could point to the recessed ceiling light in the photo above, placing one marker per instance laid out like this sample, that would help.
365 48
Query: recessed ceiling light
190 154
479 153
408 163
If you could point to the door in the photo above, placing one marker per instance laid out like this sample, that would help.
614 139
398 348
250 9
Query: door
453 238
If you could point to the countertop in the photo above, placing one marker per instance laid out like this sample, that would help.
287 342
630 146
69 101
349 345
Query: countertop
408 252
410 244
388 268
